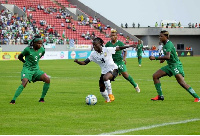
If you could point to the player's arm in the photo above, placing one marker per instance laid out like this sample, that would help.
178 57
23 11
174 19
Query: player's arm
20 57
85 62
123 47
165 57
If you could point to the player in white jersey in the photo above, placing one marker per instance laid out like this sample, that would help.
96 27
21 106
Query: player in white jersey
109 70
160 49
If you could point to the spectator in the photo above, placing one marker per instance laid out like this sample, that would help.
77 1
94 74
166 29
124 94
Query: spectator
24 9
156 24
38 7
68 26
196 25
138 25
190 25
62 24
73 28
133 25
162 25
179 24
126 25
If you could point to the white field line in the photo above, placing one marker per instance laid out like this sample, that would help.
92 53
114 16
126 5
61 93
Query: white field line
149 127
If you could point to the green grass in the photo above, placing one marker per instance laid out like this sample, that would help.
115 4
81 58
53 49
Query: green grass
65 111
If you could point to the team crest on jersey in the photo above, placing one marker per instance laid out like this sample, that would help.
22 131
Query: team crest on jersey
40 54
105 54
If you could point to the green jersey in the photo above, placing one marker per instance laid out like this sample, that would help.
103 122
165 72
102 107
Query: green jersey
117 57
169 47
139 49
32 57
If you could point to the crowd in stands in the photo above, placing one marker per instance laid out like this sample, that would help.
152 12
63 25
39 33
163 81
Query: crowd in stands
15 29
19 30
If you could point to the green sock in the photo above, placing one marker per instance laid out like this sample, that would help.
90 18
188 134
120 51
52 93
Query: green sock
192 92
18 92
45 89
130 79
159 89
140 61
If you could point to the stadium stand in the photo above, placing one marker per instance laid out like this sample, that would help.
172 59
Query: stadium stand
47 17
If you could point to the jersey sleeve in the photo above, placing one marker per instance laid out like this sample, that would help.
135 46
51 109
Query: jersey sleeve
111 50
25 52
91 58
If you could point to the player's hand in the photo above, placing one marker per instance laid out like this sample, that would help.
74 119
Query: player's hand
161 61
152 58
76 60
124 61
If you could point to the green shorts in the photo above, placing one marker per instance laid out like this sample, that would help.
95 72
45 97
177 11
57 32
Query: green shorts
121 66
172 70
139 54
31 75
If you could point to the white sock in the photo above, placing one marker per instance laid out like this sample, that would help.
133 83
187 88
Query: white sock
105 95
108 86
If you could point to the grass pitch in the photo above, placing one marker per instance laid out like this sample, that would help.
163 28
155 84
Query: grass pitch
65 111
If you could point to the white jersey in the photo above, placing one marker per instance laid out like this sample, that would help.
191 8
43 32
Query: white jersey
160 49
104 59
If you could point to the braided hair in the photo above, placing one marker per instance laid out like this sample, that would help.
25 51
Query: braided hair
97 39
34 40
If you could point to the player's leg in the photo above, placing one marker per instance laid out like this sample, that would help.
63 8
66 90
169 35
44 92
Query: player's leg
26 76
156 78
46 85
140 60
19 90
181 81
103 91
107 78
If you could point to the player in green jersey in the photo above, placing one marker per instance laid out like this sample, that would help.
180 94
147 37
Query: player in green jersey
174 68
31 70
117 57
139 52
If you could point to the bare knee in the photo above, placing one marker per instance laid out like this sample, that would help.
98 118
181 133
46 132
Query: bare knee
45 78
155 76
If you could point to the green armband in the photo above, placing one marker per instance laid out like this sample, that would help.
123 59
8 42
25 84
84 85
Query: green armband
156 58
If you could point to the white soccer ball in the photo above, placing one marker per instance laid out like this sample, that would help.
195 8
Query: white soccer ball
91 99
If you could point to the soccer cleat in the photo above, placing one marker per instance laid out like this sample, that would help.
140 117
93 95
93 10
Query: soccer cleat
41 100
137 88
111 96
107 101
12 102
158 97
197 100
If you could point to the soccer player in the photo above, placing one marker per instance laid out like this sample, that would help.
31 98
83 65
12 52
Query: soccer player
117 57
31 70
139 52
109 70
174 68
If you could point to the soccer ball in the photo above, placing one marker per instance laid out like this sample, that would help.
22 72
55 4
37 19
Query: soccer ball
91 99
